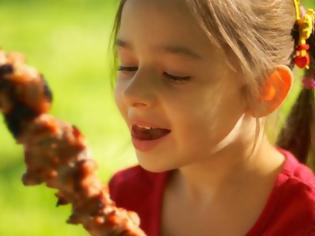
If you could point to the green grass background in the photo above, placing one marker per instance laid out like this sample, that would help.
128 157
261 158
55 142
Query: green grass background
67 41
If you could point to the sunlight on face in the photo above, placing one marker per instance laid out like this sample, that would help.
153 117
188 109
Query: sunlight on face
171 76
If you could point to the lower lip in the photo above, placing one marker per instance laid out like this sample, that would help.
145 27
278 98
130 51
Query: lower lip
147 145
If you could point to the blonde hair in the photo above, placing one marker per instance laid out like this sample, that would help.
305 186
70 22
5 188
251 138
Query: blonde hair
255 36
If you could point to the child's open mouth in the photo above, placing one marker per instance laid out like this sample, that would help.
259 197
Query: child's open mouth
144 137
148 133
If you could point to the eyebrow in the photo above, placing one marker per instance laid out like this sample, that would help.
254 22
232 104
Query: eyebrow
173 49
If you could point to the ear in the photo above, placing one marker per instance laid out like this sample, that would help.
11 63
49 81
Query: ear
273 92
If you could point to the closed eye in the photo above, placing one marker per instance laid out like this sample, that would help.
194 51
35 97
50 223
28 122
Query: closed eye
178 78
167 75
125 68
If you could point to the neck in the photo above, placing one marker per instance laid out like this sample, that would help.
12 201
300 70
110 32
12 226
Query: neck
228 171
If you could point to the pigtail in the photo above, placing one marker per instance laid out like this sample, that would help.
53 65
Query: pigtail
298 133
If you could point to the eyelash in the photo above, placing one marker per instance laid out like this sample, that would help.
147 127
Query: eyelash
169 76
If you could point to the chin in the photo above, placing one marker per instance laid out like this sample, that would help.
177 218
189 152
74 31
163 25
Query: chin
154 166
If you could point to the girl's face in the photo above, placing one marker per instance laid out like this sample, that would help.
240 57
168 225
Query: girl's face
171 77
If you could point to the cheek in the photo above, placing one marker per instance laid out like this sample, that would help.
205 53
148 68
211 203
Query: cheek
202 127
206 122
194 124
118 96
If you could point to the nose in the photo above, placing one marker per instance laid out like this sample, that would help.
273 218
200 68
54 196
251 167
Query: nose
140 90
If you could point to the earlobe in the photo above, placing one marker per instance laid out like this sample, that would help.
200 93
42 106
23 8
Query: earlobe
274 91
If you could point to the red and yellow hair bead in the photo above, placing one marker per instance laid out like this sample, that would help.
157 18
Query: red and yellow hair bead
306 25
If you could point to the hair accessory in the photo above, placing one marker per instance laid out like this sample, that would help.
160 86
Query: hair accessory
306 24
309 82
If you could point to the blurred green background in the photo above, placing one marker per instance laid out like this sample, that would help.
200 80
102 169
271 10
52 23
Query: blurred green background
66 40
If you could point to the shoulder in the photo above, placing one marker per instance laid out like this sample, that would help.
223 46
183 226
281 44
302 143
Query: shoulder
295 195
139 190
131 176
128 185
290 209
297 177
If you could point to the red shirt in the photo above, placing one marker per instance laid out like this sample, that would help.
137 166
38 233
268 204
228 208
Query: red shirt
289 210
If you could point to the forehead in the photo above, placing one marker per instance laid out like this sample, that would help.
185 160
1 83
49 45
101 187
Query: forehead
175 7
153 22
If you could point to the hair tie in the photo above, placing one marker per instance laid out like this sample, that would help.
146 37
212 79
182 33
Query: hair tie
305 20
309 82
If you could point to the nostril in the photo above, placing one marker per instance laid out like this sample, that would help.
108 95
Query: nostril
139 100
139 104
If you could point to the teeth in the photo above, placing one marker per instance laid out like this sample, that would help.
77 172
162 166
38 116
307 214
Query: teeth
144 127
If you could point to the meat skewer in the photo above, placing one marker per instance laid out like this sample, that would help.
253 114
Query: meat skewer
56 152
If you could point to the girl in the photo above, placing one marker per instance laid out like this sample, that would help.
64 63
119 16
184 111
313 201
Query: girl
195 83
